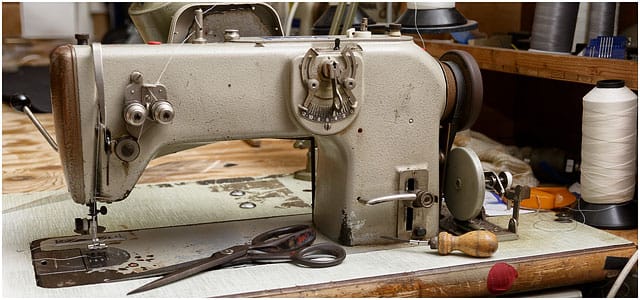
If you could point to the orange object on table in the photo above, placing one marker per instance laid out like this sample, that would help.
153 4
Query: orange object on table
548 198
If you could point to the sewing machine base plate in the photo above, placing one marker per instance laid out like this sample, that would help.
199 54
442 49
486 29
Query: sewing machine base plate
66 261
132 254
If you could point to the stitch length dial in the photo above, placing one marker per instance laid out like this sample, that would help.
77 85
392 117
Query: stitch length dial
329 77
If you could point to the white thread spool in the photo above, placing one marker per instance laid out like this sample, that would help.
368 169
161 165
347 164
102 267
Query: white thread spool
609 143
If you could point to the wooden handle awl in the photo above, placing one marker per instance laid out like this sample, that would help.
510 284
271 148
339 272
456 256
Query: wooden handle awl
479 243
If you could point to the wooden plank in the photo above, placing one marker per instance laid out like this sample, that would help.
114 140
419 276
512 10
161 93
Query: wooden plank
11 24
467 281
485 14
586 70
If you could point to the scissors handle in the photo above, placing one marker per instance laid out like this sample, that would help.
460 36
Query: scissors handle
319 256
284 239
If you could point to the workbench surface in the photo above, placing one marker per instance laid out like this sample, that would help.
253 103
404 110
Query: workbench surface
155 220
548 254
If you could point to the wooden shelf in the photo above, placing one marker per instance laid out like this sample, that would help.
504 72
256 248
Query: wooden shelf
552 66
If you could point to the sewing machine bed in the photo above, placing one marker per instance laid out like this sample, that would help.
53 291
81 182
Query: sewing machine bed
165 224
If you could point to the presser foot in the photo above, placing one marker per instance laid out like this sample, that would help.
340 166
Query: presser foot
90 227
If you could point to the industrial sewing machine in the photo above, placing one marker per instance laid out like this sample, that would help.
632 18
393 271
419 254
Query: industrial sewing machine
381 110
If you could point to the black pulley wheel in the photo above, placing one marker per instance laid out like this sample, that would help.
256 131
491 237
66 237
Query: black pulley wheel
469 101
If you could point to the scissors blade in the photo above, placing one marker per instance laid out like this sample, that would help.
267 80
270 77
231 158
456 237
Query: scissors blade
159 271
220 258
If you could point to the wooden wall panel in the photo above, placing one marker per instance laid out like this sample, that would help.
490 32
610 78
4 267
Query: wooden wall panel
11 19
493 17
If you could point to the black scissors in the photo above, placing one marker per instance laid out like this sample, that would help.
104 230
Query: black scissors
291 243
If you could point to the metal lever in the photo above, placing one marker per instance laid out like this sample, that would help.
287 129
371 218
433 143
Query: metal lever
419 198
22 103
515 196
332 72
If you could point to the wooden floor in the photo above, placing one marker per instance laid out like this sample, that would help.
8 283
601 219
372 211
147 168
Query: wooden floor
29 164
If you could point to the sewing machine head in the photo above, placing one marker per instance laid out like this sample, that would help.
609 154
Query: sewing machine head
382 112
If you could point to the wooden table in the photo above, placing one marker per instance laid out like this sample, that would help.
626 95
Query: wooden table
29 165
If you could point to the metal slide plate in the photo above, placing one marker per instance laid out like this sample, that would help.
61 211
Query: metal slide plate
75 266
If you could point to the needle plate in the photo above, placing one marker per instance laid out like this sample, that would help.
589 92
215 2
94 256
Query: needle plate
61 262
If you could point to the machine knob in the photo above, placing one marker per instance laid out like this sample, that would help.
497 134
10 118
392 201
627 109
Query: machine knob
19 102
135 114
127 148
82 38
162 112
231 35
394 30
22 103
419 232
